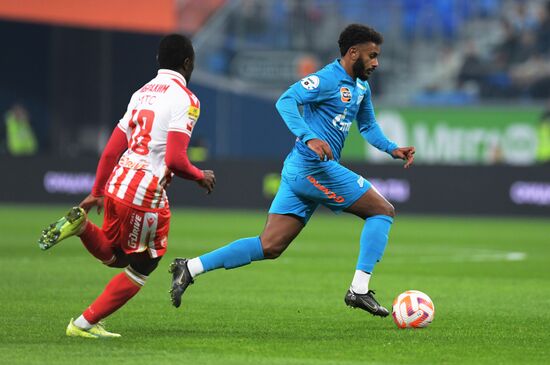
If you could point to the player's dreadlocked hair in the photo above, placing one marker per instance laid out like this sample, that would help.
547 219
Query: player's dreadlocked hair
173 50
357 34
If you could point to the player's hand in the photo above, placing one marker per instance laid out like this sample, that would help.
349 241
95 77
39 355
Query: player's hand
166 178
321 148
208 181
404 153
92 201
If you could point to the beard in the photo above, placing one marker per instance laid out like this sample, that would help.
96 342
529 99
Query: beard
359 70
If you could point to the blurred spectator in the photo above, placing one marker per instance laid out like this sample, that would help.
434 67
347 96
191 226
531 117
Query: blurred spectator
505 51
19 136
303 16
250 23
473 58
473 68
532 77
517 65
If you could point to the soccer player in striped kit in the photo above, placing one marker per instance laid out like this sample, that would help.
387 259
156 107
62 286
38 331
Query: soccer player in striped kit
152 138
333 99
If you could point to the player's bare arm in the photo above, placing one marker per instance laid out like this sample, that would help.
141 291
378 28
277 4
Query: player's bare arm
208 182
406 154
321 148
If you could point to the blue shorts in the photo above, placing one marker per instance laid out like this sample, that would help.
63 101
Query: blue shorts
302 189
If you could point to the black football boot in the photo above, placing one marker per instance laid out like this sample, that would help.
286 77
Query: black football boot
365 302
181 279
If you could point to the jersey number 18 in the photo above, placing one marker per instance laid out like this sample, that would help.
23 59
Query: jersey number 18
141 124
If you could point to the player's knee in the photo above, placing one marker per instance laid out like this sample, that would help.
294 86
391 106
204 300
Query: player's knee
143 264
119 259
383 209
390 210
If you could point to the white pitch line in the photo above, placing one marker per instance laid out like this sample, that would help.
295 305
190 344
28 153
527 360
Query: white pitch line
473 257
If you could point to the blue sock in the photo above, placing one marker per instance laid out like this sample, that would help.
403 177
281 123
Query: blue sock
238 253
373 241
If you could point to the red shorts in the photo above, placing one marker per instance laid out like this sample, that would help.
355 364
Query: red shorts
133 230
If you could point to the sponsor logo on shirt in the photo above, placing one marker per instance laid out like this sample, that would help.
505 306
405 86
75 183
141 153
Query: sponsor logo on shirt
310 82
345 95
135 222
125 161
339 122
194 113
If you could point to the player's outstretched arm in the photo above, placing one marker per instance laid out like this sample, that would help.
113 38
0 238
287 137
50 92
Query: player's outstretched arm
404 153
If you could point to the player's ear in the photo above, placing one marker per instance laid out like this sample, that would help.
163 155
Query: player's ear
353 53
188 64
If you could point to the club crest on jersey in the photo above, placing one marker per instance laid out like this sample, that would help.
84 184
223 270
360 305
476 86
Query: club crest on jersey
310 82
345 95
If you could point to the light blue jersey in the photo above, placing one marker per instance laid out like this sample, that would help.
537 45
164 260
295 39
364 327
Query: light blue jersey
331 102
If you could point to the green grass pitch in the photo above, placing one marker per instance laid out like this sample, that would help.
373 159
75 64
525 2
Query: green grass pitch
489 279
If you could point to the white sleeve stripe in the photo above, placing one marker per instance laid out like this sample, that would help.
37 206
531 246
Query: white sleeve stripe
121 127
186 131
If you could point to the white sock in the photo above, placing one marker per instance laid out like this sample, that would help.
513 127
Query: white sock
360 282
81 322
195 267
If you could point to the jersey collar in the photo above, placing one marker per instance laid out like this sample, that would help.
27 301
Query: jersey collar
174 74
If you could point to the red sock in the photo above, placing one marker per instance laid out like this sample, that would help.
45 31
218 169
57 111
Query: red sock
97 244
119 290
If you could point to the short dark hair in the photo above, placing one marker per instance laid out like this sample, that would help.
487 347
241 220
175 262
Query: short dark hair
357 34
173 50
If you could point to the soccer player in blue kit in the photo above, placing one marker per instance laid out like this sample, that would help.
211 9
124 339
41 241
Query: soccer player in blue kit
332 99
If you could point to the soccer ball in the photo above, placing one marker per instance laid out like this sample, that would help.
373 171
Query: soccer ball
413 309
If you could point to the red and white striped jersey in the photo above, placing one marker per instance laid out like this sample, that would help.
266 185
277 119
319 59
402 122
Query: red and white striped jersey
163 104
